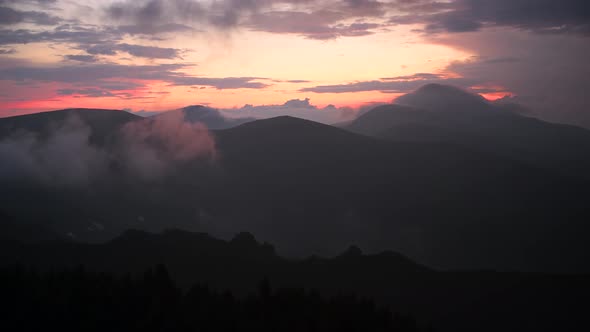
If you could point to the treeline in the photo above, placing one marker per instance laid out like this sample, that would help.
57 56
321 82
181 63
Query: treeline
79 300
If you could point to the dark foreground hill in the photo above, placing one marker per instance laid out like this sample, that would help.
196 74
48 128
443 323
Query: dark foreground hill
449 301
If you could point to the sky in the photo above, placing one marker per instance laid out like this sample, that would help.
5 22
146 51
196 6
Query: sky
321 55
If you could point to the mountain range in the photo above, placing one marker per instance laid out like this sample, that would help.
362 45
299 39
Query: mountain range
443 176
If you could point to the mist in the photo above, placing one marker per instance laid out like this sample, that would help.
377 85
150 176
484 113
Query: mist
66 155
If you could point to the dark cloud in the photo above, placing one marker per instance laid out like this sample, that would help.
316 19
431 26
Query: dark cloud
42 3
69 33
546 16
400 84
547 73
321 25
102 49
144 16
10 16
85 92
323 19
90 73
417 76
104 74
221 83
150 52
82 57
154 29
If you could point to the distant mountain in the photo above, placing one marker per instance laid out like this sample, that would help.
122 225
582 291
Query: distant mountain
449 301
443 114
210 117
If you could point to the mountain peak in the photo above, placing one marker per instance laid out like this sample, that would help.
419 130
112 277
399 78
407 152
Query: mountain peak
439 97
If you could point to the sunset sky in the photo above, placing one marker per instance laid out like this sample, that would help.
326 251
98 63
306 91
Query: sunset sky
340 54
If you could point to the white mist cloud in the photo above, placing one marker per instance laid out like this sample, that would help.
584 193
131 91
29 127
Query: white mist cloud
300 108
153 145
65 156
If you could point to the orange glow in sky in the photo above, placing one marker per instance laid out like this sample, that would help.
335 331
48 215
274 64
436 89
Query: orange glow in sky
223 69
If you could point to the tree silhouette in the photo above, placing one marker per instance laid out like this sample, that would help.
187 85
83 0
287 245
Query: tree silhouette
78 300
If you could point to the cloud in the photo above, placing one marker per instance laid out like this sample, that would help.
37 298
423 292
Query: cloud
301 108
153 146
65 157
150 52
154 29
321 25
67 33
544 16
546 73
85 92
81 57
10 16
401 84
221 83
99 73
7 51
323 19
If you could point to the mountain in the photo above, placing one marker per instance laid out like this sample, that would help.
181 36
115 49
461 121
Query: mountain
382 118
210 117
447 300
287 179
437 113
445 98
313 189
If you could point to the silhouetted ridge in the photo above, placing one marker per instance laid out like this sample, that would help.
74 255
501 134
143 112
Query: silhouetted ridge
283 121
244 240
173 241
288 129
